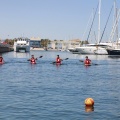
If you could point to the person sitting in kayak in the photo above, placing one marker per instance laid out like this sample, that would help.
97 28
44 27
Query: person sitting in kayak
87 61
1 60
33 60
58 60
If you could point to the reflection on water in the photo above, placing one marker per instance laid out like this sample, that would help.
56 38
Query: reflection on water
21 55
89 108
114 57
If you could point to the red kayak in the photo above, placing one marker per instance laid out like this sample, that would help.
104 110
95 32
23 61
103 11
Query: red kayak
1 63
58 64
87 64
33 62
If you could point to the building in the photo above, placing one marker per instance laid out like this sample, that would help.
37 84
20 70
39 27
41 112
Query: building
63 44
74 43
35 42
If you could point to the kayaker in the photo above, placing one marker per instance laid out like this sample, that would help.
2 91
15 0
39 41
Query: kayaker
87 61
1 60
58 60
33 59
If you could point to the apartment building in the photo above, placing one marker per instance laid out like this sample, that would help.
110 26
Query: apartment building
63 44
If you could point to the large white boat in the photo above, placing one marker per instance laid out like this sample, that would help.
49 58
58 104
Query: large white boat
22 44
94 48
73 50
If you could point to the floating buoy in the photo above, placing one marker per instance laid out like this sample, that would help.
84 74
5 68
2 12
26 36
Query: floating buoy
89 102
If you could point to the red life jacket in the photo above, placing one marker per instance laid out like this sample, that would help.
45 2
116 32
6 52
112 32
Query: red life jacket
87 62
1 60
58 60
32 61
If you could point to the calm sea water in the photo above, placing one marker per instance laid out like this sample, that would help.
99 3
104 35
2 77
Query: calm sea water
48 92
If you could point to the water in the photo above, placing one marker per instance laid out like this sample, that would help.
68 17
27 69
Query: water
48 92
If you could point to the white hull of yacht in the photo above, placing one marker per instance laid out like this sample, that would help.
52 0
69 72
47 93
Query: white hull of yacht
73 50
99 49
86 50
92 50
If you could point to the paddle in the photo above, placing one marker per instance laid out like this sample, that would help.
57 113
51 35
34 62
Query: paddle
91 63
35 58
61 60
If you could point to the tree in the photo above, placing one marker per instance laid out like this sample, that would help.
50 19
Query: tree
9 41
44 42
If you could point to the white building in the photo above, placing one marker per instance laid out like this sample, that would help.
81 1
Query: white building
35 42
63 44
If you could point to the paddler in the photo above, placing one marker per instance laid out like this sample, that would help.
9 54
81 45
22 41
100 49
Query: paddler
33 59
87 61
1 59
58 60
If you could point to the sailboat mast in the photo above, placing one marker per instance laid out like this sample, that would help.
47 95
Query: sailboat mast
99 21
117 24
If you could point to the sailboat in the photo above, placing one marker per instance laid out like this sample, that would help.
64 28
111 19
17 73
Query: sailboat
115 50
98 48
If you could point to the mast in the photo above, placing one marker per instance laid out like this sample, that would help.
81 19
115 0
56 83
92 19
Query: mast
116 14
99 21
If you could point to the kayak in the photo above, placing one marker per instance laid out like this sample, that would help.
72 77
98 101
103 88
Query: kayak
33 62
58 64
1 63
87 64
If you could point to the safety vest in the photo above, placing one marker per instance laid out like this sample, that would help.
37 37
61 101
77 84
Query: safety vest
1 59
58 60
33 61
87 62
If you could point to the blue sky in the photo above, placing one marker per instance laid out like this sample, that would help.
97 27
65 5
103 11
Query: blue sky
52 19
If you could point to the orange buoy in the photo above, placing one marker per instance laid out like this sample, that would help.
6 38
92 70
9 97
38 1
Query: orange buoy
89 102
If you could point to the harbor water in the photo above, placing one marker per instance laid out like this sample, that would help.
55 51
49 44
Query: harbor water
48 92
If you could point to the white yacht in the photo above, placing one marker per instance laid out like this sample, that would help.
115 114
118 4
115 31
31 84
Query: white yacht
22 44
73 50
94 48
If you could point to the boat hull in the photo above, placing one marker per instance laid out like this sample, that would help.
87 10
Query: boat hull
73 50
22 44
113 51
20 48
86 50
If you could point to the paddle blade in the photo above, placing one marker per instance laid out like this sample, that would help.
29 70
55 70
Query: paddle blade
66 58
81 60
53 62
40 56
94 64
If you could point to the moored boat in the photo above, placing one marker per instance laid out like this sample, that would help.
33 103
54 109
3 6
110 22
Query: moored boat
4 47
22 44
113 51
